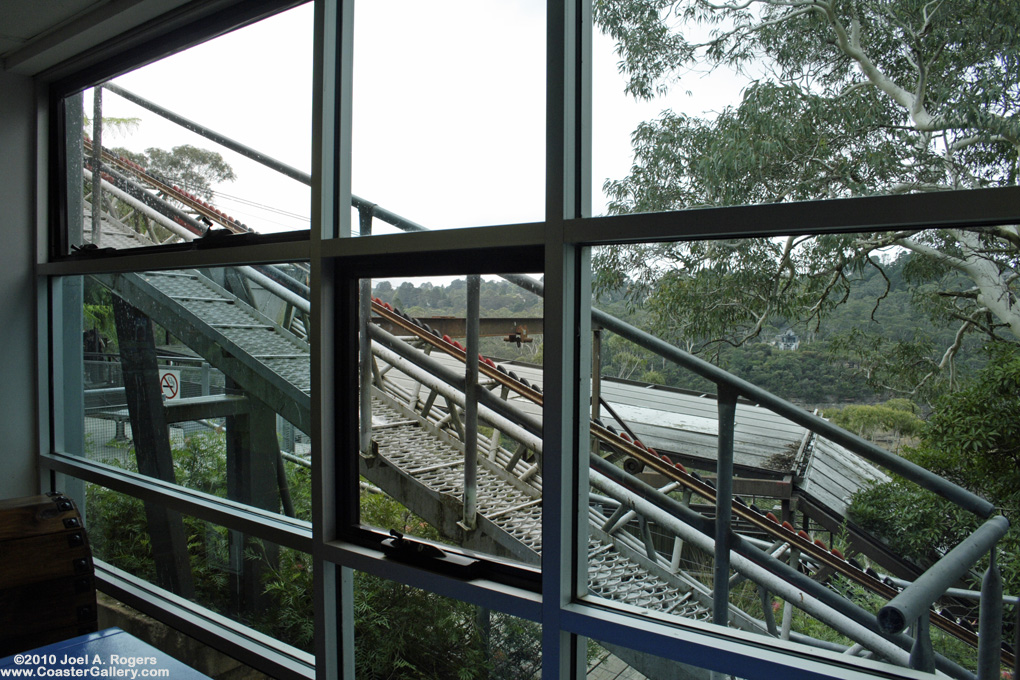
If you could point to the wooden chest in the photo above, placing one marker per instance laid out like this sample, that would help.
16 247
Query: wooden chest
47 579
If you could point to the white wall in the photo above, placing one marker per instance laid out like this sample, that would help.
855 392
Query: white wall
18 395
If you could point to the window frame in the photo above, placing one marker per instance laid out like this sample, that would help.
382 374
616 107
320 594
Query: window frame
563 240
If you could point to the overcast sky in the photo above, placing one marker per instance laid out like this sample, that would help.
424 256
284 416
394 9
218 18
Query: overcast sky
449 119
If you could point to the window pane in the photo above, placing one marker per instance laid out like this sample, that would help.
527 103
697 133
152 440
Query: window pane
253 581
743 103
422 479
163 180
403 632
449 117
201 378
885 336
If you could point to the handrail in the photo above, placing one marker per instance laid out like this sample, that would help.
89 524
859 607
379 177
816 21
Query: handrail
929 586
911 471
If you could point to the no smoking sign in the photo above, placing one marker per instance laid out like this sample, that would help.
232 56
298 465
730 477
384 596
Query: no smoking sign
170 384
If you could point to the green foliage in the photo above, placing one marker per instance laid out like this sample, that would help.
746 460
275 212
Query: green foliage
192 169
971 439
404 632
898 417
852 98
401 632
98 312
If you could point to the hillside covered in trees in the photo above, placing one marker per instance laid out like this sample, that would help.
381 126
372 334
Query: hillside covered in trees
842 359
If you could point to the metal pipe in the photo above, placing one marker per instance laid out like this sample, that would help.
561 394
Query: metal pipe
365 366
223 140
756 573
620 421
149 212
284 279
471 403
990 622
298 460
727 405
915 473
276 289
954 592
596 372
386 215
788 609
97 165
917 598
438 386
784 572
865 449
455 380
922 656
126 183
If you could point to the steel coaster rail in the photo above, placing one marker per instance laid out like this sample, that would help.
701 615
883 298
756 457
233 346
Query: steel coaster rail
915 473
778 576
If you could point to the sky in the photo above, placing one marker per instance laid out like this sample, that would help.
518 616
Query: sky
449 117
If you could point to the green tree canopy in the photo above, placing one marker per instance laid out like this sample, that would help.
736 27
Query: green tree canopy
973 439
193 169
847 98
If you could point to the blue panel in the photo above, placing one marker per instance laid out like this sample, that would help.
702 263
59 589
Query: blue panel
110 653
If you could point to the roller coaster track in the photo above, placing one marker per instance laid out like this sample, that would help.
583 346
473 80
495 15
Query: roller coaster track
273 365
766 522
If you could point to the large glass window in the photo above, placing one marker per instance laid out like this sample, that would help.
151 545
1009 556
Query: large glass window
201 378
713 492
733 430
449 111
214 137
452 445
707 104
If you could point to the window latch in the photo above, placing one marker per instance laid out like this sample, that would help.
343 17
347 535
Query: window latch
428 556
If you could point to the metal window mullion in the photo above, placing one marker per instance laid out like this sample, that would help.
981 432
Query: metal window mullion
228 636
942 209
229 514
334 340
471 389
567 196
477 591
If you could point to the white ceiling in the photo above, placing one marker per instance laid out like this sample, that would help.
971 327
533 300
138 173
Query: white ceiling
22 21
38 34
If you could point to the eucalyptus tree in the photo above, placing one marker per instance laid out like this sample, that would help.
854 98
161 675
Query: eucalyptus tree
191 168
844 98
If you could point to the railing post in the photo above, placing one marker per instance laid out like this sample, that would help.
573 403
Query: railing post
365 219
922 656
1016 637
723 507
990 621
787 625
471 404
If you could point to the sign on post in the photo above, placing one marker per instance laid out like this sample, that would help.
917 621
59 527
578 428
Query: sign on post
170 383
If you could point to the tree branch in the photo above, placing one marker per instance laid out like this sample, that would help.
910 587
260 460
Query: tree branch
924 249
